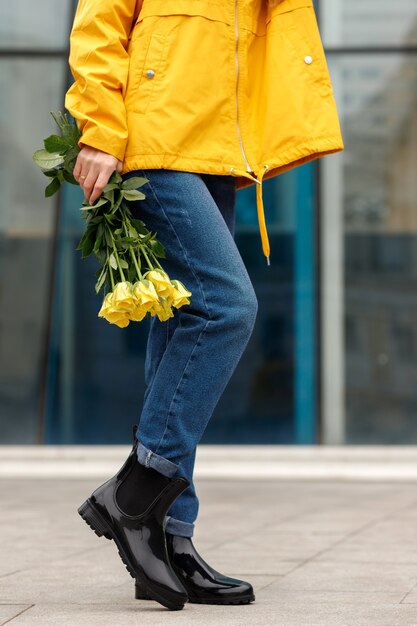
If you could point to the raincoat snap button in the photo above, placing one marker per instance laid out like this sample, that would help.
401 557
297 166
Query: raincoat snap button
150 73
308 59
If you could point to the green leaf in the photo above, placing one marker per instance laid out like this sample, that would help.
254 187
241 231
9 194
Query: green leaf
47 160
127 241
133 195
115 178
100 255
140 226
97 244
108 238
134 182
55 143
53 187
109 187
101 280
145 238
70 159
69 177
109 195
99 202
117 203
113 261
133 232
132 274
157 248
88 241
91 207
123 264
70 130
52 173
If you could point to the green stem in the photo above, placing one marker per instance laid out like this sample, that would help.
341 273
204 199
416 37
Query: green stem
58 122
142 247
133 255
135 261
116 255
156 261
125 220
111 272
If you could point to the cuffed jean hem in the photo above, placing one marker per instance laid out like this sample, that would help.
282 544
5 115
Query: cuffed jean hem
177 527
148 458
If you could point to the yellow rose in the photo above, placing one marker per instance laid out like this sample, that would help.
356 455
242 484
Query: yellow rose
106 305
161 281
162 310
122 322
145 294
181 294
123 298
145 298
111 314
138 314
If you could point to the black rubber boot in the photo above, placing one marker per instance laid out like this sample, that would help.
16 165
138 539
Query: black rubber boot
130 508
204 585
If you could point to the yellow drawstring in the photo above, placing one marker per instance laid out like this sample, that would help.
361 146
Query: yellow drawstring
259 206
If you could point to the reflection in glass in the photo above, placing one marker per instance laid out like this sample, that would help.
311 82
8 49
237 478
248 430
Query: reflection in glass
368 23
378 201
26 223
41 25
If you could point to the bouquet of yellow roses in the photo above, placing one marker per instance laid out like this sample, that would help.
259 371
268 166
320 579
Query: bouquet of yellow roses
134 281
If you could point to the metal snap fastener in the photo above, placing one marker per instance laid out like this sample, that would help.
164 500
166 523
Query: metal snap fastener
308 59
232 169
150 73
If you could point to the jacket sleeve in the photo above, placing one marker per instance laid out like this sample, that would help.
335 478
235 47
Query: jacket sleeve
99 63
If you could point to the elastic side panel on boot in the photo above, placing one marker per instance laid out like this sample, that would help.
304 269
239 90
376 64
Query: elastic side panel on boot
139 489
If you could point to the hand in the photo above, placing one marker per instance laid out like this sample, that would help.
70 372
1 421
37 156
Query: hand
93 169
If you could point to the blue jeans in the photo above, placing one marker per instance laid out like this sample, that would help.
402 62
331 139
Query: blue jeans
191 357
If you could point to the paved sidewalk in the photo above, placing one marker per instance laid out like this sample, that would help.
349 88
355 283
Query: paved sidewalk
318 553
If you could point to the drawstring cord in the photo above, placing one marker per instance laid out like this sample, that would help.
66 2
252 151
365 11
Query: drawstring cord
259 206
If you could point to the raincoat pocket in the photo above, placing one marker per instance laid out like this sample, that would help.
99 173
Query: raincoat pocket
146 70
300 28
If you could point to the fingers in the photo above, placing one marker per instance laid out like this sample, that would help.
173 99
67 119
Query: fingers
97 186
78 167
92 171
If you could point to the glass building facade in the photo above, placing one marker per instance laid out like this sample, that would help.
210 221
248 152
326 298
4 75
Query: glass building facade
368 226
333 356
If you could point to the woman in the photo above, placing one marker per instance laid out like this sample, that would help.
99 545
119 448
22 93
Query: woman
201 97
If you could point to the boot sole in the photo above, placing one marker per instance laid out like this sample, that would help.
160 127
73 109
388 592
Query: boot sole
95 521
140 595
223 602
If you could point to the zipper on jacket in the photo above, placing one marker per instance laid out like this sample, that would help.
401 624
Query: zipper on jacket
248 167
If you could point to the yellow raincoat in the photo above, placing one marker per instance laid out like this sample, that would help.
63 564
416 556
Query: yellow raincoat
209 86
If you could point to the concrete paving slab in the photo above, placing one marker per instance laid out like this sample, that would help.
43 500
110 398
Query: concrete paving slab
318 553
291 611
9 611
349 576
